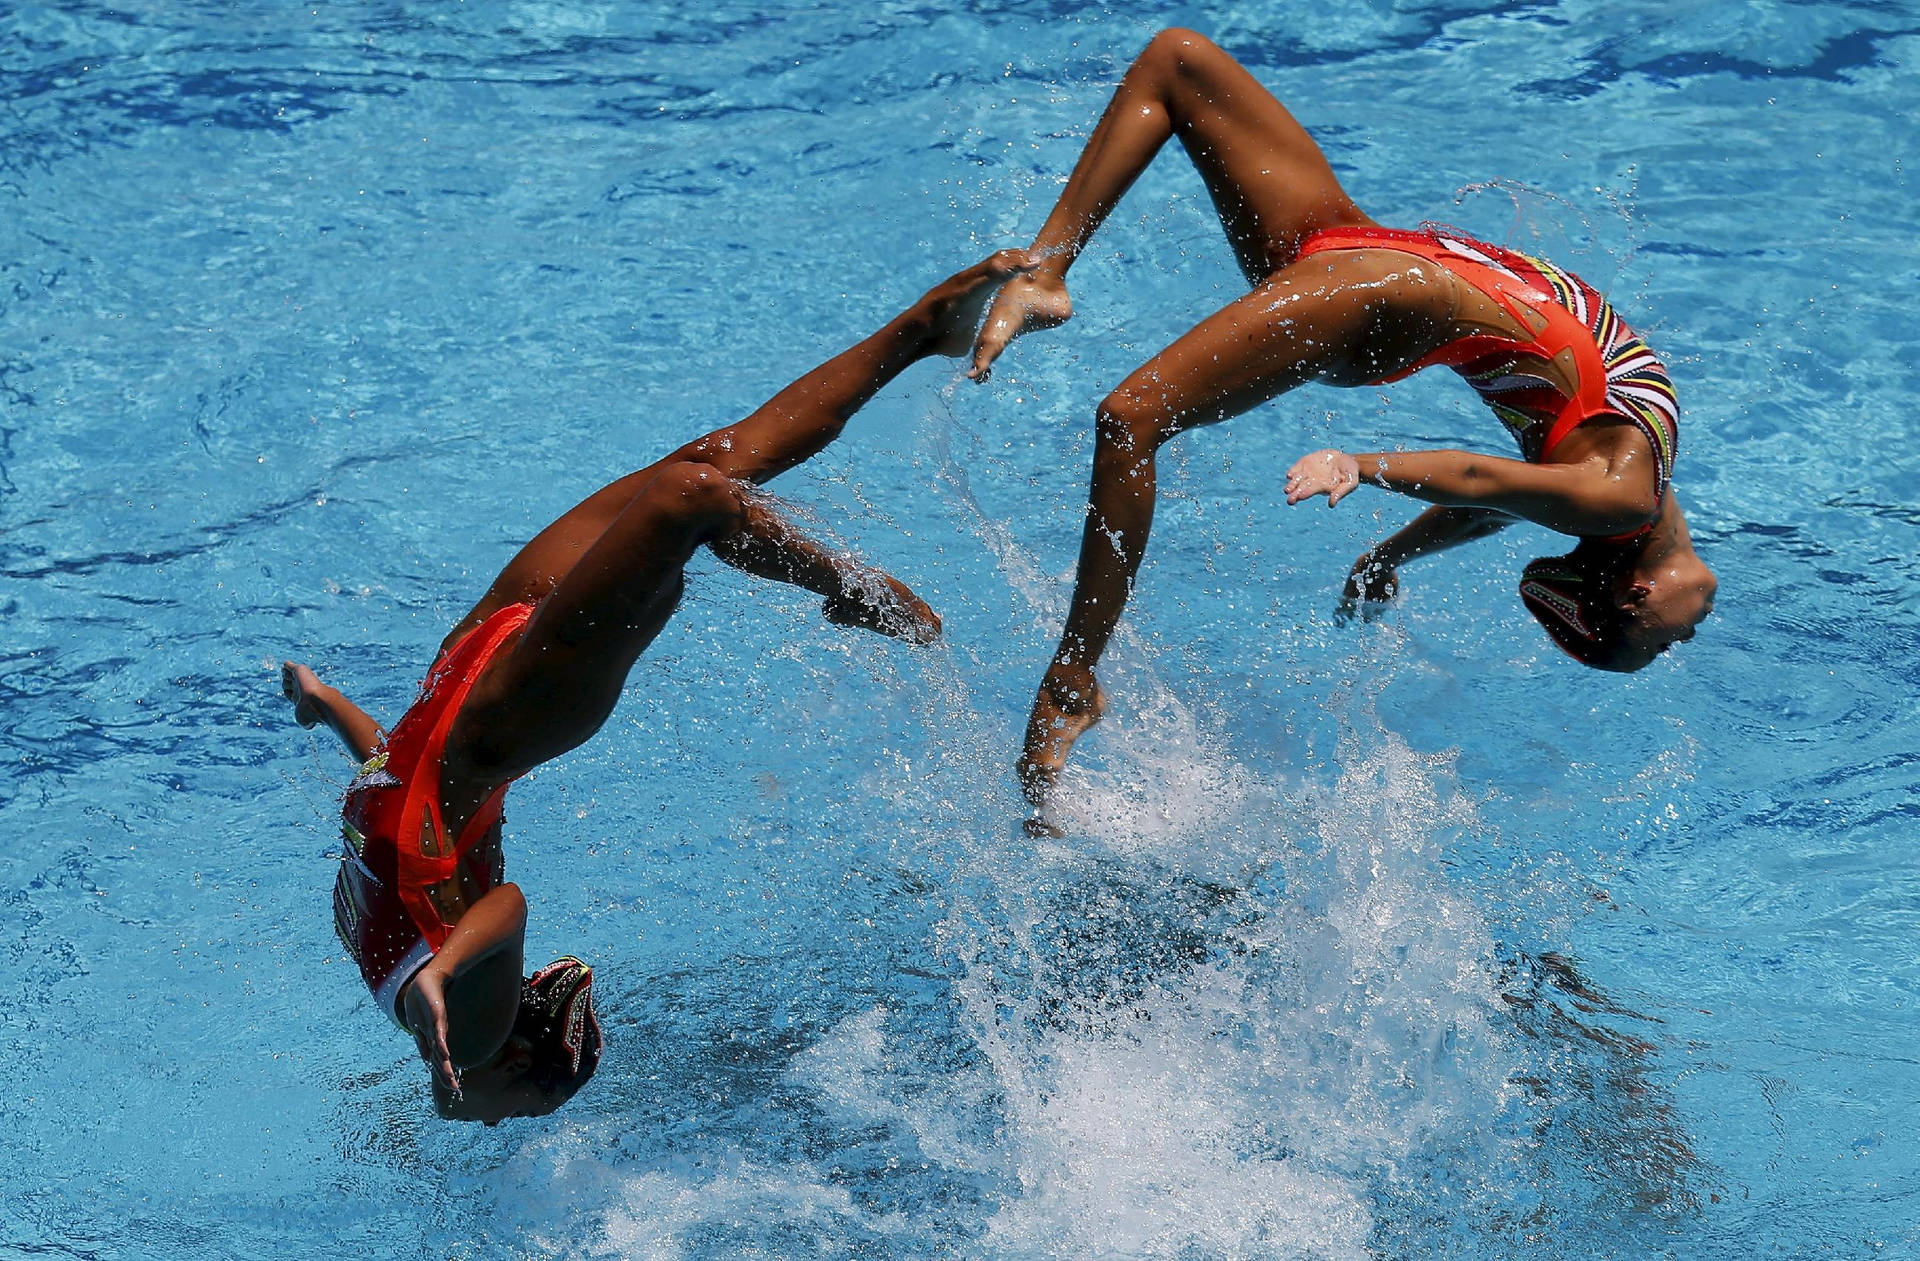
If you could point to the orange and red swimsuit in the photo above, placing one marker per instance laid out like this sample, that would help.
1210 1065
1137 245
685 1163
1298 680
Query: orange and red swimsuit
1615 372
390 900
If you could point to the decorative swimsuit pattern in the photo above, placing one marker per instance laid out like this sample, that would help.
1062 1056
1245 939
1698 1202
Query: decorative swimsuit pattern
392 899
1615 373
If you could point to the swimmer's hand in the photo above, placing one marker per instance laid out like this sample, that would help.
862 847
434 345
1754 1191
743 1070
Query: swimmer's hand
1330 473
1025 304
426 1005
951 309
1371 586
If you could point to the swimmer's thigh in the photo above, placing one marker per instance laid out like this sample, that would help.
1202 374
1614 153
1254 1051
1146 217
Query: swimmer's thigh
1270 182
537 568
1349 320
561 681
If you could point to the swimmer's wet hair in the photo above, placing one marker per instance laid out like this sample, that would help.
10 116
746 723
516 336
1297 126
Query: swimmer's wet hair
1572 597
558 1021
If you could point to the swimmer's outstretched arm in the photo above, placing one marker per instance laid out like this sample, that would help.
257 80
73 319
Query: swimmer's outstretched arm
1594 497
797 423
315 702
1376 575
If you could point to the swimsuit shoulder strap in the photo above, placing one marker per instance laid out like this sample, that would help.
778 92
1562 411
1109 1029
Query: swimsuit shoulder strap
424 854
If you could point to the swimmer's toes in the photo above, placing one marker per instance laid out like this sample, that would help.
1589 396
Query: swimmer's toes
987 347
1023 305
957 303
1040 827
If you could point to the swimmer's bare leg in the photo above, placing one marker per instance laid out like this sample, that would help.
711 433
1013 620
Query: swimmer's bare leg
802 419
315 702
767 545
792 426
557 685
1270 183
1327 326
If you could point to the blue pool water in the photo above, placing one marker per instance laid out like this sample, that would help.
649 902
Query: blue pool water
1401 940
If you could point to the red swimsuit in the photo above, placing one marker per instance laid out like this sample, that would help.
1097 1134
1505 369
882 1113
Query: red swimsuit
389 900
1615 374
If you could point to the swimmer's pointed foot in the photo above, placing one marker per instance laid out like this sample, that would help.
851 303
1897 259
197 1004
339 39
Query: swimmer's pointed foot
1026 304
1041 828
883 604
953 306
298 684
1069 702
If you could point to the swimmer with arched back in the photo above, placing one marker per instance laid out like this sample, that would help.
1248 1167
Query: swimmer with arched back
1340 300
421 898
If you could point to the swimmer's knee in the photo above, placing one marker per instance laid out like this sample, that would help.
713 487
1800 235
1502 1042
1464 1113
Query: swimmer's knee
1130 422
696 490
1176 48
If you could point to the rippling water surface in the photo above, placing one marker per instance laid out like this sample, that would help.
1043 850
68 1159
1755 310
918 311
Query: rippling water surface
1400 940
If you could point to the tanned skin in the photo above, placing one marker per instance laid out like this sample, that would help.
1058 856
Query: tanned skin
606 577
1346 317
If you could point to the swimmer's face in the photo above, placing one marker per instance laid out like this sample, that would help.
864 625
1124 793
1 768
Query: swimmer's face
1663 608
498 1089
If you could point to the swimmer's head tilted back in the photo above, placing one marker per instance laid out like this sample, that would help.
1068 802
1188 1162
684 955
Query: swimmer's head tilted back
1574 609
553 1049
558 1020
1602 611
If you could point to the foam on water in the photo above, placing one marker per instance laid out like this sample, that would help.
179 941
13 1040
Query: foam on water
1324 1019
1231 1013
1241 1095
1214 1017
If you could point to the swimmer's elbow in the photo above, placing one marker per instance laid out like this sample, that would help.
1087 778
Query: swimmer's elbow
1467 480
1625 511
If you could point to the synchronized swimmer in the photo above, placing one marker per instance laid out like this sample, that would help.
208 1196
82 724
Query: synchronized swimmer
421 898
1340 300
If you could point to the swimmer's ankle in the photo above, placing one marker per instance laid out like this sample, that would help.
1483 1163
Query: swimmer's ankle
1052 271
1074 691
1051 263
